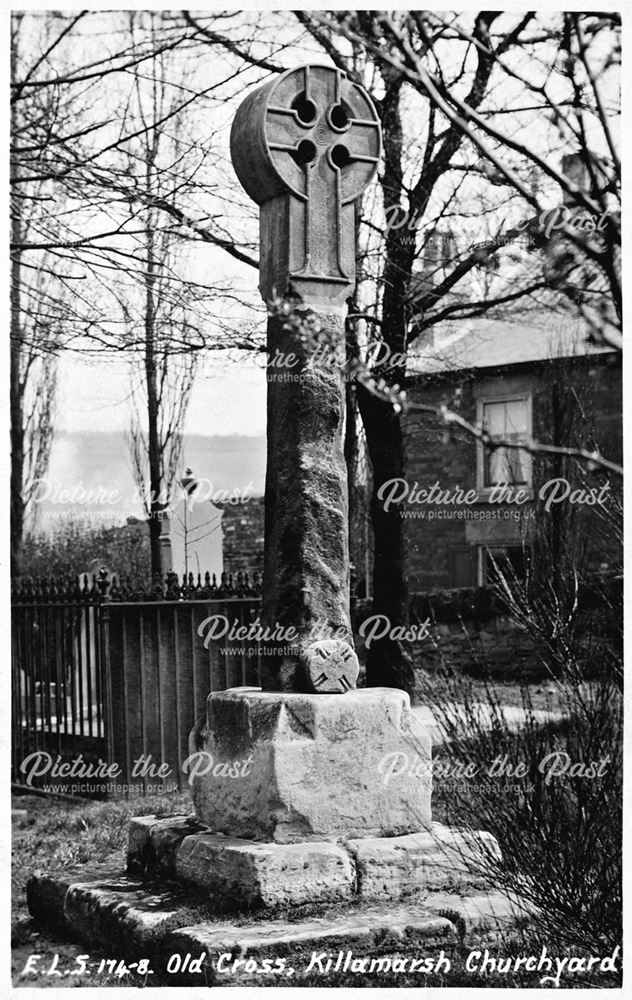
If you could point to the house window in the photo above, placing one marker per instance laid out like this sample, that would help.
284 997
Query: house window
498 561
462 565
509 419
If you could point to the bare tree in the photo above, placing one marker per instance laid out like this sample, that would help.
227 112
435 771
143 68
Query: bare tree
170 321
107 189
36 329
461 67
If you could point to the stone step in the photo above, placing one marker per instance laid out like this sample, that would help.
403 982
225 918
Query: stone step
235 954
267 953
138 918
100 904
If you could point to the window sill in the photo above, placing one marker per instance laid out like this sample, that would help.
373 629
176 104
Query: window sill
526 494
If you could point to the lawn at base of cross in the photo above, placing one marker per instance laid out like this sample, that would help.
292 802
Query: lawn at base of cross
59 834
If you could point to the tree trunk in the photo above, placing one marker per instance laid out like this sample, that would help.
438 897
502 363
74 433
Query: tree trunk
153 406
16 388
389 663
17 418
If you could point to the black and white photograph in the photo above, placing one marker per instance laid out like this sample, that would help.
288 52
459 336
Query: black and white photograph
314 458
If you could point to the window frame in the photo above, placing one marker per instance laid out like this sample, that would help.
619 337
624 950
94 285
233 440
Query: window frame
484 491
484 548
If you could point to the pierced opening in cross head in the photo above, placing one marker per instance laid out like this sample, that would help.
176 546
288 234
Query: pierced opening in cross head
306 110
339 117
304 153
340 156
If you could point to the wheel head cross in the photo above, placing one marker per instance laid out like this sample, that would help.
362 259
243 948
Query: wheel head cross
304 147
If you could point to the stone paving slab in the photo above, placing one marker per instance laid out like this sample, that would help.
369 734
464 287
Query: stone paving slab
479 911
221 945
99 905
46 892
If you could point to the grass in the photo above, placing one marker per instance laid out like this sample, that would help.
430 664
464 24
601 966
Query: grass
60 835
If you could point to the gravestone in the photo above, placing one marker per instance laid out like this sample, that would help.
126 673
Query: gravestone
191 534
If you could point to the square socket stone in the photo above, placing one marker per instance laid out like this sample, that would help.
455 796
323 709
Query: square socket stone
315 765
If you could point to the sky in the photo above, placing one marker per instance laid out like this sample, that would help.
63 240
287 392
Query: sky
232 399
229 397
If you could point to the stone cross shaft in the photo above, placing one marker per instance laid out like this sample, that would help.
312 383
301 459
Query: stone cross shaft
304 147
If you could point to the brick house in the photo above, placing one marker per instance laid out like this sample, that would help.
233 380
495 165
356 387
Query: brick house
539 379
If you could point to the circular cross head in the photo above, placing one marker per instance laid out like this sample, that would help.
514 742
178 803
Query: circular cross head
311 118
331 666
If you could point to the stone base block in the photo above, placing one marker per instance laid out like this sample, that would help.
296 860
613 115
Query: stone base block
168 908
247 874
288 768
153 843
395 866
250 875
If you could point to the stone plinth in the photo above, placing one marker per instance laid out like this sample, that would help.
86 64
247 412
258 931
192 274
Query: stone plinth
286 767
248 874
252 876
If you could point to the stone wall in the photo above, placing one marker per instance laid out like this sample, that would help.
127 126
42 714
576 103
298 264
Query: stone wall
471 632
242 535
467 633
500 648
497 647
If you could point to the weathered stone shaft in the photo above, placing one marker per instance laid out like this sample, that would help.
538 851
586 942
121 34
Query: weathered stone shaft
306 563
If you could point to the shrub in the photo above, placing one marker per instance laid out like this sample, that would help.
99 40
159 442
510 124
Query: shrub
124 549
559 830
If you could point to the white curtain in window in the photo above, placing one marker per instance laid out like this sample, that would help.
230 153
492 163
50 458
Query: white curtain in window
507 419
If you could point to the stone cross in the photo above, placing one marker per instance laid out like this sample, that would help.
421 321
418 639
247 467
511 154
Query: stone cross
304 147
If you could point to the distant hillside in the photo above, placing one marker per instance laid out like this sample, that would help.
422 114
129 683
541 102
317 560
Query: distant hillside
99 463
